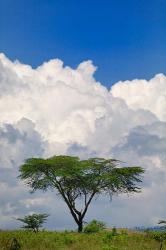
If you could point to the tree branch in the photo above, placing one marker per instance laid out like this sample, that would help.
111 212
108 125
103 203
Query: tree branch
87 204
72 203
60 189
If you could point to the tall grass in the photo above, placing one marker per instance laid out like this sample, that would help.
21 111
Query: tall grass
75 241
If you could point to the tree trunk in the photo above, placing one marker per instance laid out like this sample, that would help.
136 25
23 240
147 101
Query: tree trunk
161 245
80 226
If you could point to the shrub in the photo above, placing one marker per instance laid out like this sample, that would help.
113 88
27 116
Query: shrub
114 231
94 226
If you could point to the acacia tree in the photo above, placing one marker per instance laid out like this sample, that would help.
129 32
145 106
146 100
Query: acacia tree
79 181
34 221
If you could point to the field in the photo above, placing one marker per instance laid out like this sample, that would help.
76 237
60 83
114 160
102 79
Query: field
74 241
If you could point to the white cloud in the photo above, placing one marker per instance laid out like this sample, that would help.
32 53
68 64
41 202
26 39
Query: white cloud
55 110
18 141
149 95
35 202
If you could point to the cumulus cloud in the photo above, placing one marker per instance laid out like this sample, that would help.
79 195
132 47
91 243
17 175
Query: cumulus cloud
59 110
18 141
149 95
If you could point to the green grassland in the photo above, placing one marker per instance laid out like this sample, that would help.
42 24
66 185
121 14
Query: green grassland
74 241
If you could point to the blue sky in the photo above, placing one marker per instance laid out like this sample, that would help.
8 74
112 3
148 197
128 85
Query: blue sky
125 39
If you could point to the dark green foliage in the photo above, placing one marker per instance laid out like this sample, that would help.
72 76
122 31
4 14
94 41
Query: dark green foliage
114 231
33 222
94 226
74 179
160 237
14 245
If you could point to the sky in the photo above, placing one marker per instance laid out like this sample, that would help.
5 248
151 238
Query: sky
125 39
86 79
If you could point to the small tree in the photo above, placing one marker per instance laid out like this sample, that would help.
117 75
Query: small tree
160 237
79 181
33 222
94 226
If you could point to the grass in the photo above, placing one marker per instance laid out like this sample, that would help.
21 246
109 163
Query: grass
74 241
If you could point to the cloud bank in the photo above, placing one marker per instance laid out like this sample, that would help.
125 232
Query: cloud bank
59 110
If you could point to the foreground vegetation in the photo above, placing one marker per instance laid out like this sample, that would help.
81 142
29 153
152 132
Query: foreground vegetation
104 240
